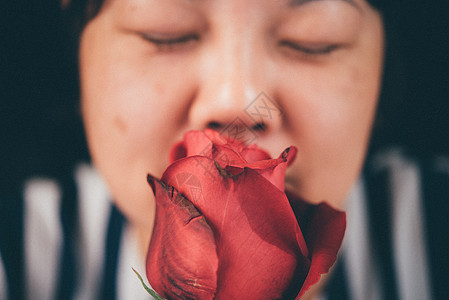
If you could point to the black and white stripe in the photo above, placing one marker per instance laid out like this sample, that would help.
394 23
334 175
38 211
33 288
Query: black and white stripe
396 243
3 285
65 240
11 247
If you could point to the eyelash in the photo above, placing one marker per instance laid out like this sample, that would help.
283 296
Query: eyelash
310 50
171 44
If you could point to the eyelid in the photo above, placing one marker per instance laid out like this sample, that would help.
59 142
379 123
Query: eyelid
310 48
170 40
167 43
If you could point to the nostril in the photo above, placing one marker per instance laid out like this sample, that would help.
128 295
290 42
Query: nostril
214 125
259 127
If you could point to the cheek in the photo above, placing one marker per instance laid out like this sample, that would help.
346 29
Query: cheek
119 120
330 108
131 104
129 114
330 121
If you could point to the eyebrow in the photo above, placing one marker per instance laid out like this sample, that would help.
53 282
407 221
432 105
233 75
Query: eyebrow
294 3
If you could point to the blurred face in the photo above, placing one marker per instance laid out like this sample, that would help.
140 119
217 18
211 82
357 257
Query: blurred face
303 73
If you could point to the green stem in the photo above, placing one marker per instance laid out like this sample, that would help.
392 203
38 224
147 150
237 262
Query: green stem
150 291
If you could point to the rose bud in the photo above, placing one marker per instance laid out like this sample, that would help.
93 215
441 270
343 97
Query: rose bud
225 228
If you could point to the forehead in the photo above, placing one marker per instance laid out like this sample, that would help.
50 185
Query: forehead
139 6
288 3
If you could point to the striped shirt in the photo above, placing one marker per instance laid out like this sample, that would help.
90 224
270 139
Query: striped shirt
66 240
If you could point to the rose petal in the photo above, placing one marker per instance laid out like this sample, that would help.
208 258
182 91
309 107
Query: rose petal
256 231
253 153
182 261
226 156
231 227
323 228
272 169
222 140
178 151
230 152
194 143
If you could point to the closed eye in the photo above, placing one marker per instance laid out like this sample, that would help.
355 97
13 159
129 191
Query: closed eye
309 48
167 44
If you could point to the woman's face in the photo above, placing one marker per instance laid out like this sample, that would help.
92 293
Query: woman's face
299 72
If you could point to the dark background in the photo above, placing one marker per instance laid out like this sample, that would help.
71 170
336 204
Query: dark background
41 130
40 125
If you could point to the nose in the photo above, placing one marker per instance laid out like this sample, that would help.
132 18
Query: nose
234 93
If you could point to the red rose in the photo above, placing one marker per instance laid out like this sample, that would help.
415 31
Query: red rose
225 228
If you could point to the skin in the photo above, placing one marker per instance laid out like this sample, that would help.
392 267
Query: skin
319 63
